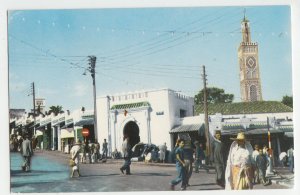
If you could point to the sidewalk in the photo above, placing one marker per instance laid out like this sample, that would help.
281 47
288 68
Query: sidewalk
282 176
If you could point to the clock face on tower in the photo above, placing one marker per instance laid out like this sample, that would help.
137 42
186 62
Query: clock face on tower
251 62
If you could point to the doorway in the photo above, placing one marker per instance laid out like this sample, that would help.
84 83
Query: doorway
131 129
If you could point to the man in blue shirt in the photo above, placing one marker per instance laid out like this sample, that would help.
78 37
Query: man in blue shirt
180 167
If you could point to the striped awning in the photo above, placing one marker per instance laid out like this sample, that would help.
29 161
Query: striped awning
130 106
67 133
83 122
188 128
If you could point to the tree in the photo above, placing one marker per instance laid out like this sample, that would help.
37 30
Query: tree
287 100
214 95
56 110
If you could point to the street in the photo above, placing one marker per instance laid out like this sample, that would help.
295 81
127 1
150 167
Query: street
50 173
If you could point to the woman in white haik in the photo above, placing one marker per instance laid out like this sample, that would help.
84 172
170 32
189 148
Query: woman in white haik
75 156
240 165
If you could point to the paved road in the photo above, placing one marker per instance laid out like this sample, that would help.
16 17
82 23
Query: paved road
50 173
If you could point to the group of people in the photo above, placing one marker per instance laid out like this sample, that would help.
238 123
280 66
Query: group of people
90 152
243 168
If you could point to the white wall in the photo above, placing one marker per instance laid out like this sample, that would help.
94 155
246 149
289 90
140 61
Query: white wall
102 119
164 101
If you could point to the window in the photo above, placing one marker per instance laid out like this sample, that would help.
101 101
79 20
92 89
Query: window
253 93
182 113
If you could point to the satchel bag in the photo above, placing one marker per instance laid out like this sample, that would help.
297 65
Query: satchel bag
72 163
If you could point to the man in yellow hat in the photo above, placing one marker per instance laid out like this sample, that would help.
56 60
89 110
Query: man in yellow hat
240 163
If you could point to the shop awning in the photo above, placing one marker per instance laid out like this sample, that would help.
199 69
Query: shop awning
43 125
261 131
38 133
189 128
83 122
289 134
70 125
67 133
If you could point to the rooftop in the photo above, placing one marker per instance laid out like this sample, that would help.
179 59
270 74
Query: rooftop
244 108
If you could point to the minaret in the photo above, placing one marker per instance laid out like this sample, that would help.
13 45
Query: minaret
249 67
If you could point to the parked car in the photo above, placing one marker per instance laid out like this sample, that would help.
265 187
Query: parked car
141 150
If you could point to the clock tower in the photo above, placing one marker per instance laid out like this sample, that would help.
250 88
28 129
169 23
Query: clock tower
249 66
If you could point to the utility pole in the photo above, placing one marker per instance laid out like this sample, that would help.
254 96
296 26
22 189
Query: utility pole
206 114
91 69
33 95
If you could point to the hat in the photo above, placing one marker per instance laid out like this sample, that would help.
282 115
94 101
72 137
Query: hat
217 131
78 142
240 136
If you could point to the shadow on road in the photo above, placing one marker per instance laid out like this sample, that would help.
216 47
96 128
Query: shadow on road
211 189
31 173
204 184
151 174
102 175
20 184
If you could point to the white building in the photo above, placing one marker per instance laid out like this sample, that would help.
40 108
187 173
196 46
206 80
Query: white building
146 116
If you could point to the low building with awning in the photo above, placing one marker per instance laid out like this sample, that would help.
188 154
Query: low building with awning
85 121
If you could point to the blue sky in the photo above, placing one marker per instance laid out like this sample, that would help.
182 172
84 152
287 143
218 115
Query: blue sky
142 48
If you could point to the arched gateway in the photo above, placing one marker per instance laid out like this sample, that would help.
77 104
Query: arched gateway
132 130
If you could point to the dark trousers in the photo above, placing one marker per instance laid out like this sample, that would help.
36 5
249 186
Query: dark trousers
126 165
220 173
181 176
26 163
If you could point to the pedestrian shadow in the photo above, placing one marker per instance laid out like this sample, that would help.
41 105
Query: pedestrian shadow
211 189
102 175
21 184
20 173
204 184
151 174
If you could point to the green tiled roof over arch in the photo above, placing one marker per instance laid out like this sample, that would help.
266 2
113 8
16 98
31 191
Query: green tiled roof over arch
244 108
130 106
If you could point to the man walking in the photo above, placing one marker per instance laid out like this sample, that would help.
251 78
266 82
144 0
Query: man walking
261 162
97 151
162 154
256 171
104 149
180 167
26 151
290 154
188 159
199 157
239 172
75 150
126 149
218 158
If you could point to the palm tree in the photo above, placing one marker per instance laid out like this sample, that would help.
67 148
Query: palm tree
56 110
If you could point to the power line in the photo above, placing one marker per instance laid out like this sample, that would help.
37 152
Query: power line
46 52
159 43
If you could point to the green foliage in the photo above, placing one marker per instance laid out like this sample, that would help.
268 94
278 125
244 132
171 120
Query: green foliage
214 95
55 109
287 100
